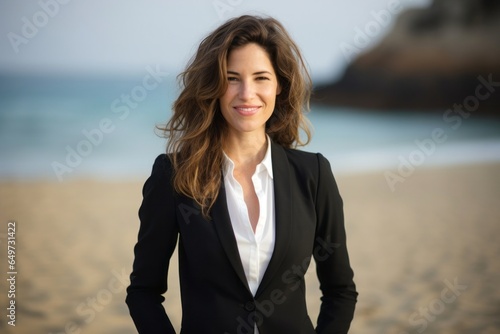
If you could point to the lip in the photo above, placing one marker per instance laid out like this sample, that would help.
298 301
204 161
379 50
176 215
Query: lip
246 110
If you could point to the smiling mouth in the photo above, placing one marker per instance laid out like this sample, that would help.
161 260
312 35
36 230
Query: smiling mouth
246 110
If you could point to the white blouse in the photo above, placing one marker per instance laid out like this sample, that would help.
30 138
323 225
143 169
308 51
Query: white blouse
256 248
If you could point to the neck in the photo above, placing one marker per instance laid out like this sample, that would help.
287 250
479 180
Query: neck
245 148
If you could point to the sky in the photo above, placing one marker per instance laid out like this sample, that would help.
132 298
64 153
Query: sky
126 36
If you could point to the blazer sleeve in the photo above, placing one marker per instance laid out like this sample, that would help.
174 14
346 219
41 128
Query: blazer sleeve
334 272
156 242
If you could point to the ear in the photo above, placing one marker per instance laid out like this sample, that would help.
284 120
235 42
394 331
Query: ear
278 89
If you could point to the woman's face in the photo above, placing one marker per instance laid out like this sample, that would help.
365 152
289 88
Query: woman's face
250 97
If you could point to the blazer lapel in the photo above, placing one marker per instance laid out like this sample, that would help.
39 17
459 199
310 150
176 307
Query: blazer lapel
282 212
283 219
222 222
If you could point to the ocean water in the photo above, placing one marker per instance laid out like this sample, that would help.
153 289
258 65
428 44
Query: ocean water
61 128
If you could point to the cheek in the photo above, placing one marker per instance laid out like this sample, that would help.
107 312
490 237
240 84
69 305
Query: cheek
270 95
224 101
228 96
272 90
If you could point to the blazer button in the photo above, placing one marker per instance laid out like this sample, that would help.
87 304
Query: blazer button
249 306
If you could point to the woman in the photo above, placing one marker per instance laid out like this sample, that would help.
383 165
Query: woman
249 211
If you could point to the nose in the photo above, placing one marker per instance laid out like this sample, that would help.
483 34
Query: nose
247 90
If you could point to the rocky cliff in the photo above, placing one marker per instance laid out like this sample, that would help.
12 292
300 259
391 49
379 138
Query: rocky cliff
433 58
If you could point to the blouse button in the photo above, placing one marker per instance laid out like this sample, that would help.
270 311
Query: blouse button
249 306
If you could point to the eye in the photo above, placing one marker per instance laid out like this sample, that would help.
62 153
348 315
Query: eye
262 78
232 79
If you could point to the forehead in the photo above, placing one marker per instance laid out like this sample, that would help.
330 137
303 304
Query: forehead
249 55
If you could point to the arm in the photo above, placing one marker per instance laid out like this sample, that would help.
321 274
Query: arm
332 261
156 242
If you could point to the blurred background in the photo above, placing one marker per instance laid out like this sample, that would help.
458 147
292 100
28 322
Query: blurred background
407 95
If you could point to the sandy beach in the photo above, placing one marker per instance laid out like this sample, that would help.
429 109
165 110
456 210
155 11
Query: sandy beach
426 256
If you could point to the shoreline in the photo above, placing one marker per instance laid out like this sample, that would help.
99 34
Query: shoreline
343 164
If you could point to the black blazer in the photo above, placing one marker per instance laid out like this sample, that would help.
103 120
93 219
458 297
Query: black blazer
214 291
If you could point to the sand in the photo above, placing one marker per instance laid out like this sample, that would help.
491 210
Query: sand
426 256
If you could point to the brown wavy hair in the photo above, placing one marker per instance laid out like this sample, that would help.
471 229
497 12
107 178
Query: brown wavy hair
196 129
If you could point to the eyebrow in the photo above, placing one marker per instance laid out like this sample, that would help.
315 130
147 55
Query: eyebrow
256 73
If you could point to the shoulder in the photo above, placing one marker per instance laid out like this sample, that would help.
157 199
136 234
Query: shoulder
305 164
305 159
299 155
161 173
162 164
308 164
